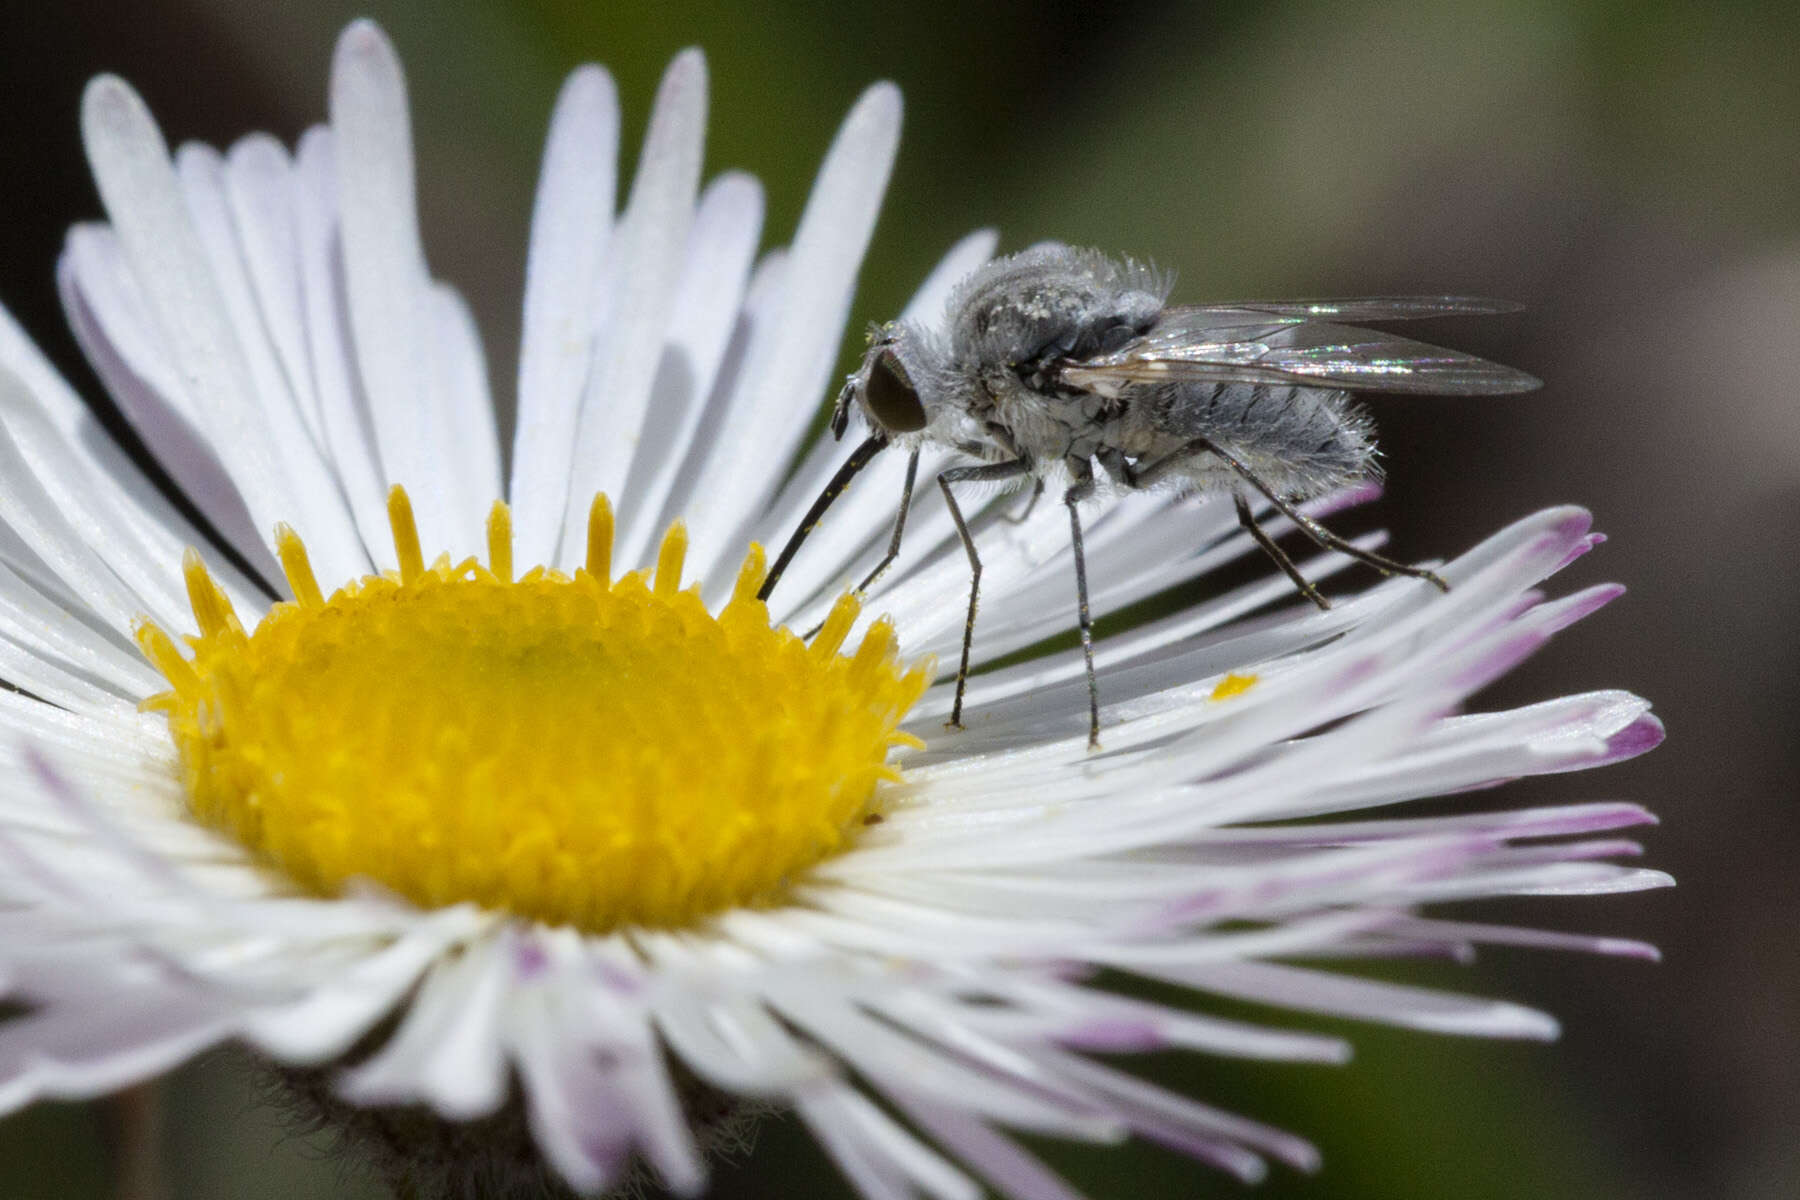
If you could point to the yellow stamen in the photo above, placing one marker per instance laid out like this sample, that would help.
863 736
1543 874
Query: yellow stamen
499 535
294 561
600 538
750 576
580 751
212 610
669 559
837 626
166 657
406 535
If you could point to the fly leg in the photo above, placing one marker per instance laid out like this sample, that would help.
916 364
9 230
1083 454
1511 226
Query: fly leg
988 472
1317 532
893 550
1276 552
859 458
1080 490
1029 505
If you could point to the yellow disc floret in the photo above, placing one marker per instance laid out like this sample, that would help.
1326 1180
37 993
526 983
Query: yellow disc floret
574 749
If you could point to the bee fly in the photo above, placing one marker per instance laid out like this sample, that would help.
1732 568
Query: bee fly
1056 359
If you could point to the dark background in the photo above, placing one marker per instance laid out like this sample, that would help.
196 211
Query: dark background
1630 171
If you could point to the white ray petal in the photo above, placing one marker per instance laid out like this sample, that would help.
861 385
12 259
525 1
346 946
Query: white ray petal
1363 999
325 1021
571 225
33 620
447 1051
761 307
468 413
386 280
68 482
580 1123
1015 1173
70 1051
346 426
644 272
45 526
143 198
260 190
114 487
200 172
125 739
705 310
787 367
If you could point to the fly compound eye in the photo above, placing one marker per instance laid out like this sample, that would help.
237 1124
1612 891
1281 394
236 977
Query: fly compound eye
891 399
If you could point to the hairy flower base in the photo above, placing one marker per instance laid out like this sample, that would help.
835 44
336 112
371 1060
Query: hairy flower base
424 1156
574 749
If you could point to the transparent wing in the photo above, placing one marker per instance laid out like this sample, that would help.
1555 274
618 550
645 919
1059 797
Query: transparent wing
1219 344
1368 308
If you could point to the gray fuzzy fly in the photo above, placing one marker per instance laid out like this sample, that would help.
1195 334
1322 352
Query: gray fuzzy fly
1058 359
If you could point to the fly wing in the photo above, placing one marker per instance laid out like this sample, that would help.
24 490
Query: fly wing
1266 343
1368 308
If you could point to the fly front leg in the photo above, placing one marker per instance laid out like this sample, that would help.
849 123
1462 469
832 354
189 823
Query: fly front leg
1311 528
893 550
986 473
1080 490
859 458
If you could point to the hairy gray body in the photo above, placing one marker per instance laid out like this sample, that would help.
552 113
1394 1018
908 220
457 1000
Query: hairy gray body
993 378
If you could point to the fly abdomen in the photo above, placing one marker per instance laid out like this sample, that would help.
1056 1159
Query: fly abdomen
1302 441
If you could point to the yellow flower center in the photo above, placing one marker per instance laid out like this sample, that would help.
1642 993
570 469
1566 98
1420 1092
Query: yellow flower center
574 749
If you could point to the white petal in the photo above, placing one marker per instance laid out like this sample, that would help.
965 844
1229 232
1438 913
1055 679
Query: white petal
1365 999
45 527
33 620
761 306
279 401
137 564
1015 1173
447 1050
260 190
706 309
327 1021
139 188
110 318
570 227
468 411
643 273
72 1052
786 369
347 428
386 281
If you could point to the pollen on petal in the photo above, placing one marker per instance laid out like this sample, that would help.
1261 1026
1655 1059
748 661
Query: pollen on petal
573 749
1232 685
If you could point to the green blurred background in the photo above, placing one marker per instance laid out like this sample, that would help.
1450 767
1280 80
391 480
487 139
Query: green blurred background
1631 171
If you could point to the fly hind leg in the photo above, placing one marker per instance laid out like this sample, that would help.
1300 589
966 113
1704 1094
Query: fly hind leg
1248 521
1024 514
1317 532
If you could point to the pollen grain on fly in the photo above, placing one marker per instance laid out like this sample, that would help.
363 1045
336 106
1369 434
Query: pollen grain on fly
571 748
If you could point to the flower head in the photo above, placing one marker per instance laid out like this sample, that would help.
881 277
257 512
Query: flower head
528 808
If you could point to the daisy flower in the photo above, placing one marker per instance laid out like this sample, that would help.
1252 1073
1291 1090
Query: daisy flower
530 820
